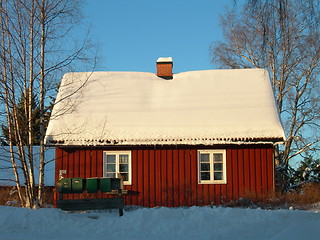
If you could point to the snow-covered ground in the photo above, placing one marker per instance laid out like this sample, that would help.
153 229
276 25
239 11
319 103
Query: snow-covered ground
160 223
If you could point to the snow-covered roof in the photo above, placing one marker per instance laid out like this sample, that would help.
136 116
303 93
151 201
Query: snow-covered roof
138 108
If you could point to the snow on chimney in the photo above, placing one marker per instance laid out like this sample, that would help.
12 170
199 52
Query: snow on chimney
164 67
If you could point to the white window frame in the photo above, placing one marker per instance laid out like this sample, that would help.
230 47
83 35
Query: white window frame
117 154
224 167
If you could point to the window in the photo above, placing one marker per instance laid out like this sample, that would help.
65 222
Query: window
116 164
212 166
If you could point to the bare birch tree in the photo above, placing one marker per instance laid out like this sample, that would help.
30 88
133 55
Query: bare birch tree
282 36
36 49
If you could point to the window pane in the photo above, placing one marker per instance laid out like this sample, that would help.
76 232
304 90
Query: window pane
205 166
217 157
111 158
111 167
218 167
218 176
123 158
205 175
125 176
204 157
124 168
111 175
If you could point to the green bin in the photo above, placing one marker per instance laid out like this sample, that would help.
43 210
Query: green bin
66 185
115 183
105 184
77 185
92 185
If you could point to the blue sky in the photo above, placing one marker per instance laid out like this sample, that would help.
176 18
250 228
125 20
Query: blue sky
132 34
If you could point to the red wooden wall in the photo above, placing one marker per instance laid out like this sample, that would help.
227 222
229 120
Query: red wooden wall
169 177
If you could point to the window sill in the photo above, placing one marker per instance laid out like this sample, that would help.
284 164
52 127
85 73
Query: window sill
213 182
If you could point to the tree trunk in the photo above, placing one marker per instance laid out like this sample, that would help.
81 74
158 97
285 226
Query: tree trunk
41 100
30 103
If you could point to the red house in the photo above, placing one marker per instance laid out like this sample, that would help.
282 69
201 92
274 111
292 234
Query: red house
192 138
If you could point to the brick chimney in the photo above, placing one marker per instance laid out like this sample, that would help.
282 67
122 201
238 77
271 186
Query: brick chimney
164 67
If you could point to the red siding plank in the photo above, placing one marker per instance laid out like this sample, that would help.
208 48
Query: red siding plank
140 178
258 172
70 165
188 183
246 167
134 186
194 177
170 190
223 196
152 167
206 200
230 161
270 164
82 162
252 176
264 171
217 194
169 193
76 164
241 172
164 170
99 163
94 163
158 178
176 178
235 183
99 169
87 170
146 178
182 180
202 194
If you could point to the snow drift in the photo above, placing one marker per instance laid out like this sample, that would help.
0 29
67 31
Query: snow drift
160 223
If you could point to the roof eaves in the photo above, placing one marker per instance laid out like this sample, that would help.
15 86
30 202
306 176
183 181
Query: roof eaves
164 141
